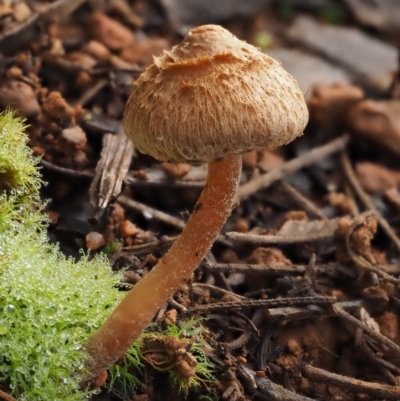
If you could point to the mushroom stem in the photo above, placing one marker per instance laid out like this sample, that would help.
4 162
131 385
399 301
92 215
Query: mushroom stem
142 302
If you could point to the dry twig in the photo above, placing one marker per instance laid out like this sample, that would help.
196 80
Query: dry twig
359 259
290 167
157 214
273 391
269 303
292 232
393 347
155 176
154 213
67 172
216 291
375 390
111 170
251 329
277 269
150 246
366 200
302 201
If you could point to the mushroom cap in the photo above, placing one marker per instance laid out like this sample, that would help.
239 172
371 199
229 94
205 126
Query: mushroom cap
210 96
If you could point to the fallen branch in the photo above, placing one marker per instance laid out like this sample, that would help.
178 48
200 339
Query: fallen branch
354 385
269 303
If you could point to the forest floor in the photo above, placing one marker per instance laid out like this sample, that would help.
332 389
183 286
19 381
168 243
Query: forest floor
300 294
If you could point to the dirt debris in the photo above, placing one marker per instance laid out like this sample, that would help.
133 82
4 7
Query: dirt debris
377 121
70 77
375 177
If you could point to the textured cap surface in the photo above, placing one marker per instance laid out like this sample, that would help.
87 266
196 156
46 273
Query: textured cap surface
210 96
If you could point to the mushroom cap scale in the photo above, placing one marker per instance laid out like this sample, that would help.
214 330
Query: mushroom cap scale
210 96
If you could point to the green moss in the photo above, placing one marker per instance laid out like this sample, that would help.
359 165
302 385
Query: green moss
162 350
49 304
18 168
181 352
204 369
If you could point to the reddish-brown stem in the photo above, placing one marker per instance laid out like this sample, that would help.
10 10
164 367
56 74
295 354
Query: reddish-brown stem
141 303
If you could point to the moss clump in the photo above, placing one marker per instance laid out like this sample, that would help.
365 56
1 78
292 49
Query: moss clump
180 351
49 305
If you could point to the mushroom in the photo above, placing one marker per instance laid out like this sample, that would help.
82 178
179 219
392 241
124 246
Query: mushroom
210 99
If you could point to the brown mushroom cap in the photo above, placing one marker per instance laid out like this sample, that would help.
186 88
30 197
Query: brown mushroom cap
210 96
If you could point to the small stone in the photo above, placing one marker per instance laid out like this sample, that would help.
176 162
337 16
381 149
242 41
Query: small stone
175 171
269 160
83 59
57 47
294 347
53 217
266 256
140 175
344 203
33 77
56 109
79 113
392 197
249 160
128 229
131 277
142 52
118 214
98 50
83 80
38 150
21 11
49 138
375 177
20 97
287 362
110 32
74 137
80 159
5 9
329 103
94 241
388 325
241 226
378 121
228 255
14 72
119 64
294 215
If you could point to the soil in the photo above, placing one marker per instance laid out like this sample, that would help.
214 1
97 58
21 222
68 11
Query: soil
300 293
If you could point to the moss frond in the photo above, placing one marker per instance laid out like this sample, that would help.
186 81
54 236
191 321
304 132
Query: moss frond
49 305
18 167
198 369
